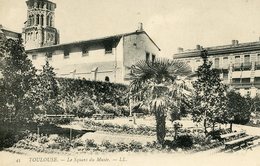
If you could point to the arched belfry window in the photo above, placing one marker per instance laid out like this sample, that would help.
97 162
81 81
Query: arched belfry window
51 21
42 17
37 19
47 21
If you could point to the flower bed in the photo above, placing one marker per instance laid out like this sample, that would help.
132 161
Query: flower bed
56 144
114 128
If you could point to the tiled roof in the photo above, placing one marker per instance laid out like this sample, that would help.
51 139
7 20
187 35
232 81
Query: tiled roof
218 50
78 43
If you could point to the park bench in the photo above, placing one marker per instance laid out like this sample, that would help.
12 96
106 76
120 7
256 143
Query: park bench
239 142
227 136
103 116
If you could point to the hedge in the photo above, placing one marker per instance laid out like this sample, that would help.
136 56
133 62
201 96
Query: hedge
100 92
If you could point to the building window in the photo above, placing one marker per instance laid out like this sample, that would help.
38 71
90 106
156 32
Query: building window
247 63
257 80
247 58
236 80
225 75
84 52
107 79
49 56
225 63
153 57
237 65
147 56
108 48
258 57
217 63
245 80
34 57
237 59
66 54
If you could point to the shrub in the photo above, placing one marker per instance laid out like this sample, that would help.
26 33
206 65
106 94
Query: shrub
90 143
124 110
108 145
109 109
121 146
184 141
86 108
135 145
7 138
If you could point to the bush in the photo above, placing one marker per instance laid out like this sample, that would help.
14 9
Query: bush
86 108
108 145
109 109
214 134
106 92
90 143
135 145
121 146
184 141
7 138
242 119
124 110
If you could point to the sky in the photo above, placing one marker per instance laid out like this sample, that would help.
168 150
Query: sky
170 23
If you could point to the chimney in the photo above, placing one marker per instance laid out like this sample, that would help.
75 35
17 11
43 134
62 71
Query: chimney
140 27
198 47
180 49
234 42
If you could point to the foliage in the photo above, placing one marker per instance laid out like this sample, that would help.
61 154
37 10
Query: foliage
86 108
135 145
124 110
90 143
113 128
184 141
239 108
154 84
47 91
176 127
19 78
209 101
99 92
109 109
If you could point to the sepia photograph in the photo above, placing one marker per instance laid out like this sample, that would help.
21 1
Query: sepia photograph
129 82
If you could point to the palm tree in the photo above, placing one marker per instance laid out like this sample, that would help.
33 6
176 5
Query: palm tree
156 83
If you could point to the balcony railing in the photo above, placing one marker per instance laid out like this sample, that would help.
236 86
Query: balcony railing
242 66
237 66
246 66
257 65
242 84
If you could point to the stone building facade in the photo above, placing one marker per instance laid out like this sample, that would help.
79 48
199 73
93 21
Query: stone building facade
104 59
108 58
239 64
6 33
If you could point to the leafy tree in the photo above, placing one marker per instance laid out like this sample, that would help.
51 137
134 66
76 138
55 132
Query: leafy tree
48 91
155 84
238 108
18 79
209 101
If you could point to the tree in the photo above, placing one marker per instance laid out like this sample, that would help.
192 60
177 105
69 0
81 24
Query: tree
18 79
155 84
238 108
48 90
209 101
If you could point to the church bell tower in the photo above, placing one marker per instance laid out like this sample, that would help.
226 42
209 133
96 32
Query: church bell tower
39 29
